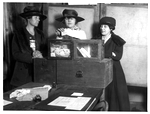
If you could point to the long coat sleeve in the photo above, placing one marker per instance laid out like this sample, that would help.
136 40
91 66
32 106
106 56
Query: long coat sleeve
18 55
116 92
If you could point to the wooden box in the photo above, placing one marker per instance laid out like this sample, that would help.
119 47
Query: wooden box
44 70
87 68
84 65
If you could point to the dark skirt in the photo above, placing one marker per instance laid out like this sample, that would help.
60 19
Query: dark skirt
117 92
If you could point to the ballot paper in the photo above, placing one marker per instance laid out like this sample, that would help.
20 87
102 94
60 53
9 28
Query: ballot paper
78 103
84 52
5 102
62 101
72 103
77 94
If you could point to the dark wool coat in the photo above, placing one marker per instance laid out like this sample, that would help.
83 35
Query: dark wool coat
22 53
116 92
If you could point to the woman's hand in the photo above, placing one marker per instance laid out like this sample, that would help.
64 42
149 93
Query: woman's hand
60 32
37 54
113 54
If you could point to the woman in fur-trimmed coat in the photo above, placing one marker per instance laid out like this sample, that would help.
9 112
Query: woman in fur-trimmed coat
117 91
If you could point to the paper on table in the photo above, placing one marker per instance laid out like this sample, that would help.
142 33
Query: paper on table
76 94
62 101
78 103
5 102
74 103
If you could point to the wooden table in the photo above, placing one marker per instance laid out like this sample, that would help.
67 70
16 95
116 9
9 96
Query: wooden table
60 90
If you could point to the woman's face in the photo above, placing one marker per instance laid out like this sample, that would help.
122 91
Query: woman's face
70 22
105 30
34 21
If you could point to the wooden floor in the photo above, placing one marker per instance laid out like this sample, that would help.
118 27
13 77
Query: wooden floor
138 106
138 98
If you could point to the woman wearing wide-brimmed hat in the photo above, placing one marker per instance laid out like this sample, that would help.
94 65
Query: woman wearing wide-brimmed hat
117 91
28 43
70 18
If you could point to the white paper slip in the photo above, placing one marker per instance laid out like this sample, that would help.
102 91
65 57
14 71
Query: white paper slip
78 103
62 101
5 102
77 94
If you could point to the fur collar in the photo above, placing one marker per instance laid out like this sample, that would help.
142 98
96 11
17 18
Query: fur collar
118 40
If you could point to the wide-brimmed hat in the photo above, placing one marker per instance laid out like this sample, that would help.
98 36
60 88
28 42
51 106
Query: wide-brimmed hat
70 13
32 11
110 21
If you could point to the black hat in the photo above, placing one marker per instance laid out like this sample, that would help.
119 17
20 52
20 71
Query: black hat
32 11
110 21
70 13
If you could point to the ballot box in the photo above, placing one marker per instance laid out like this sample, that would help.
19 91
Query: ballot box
86 65
74 62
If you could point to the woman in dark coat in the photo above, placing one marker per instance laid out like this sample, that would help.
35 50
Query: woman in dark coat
117 92
28 43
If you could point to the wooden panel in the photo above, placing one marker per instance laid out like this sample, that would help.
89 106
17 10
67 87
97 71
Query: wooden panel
44 71
84 73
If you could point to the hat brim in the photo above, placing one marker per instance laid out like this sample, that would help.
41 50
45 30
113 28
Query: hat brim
79 19
42 17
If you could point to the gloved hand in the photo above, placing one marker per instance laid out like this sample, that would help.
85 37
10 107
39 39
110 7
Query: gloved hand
37 54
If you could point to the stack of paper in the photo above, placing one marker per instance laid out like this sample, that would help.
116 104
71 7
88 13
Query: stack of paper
73 103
